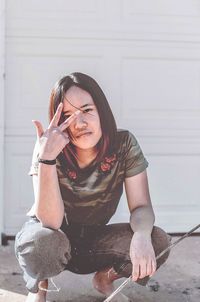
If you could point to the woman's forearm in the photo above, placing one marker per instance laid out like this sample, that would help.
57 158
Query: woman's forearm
49 203
50 142
142 220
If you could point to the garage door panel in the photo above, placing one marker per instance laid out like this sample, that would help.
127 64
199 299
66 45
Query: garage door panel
163 93
36 18
78 12
178 85
174 190
164 7
173 180
177 222
161 19
18 185
32 79
113 18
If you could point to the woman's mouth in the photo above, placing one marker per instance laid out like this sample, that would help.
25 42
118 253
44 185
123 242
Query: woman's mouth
83 134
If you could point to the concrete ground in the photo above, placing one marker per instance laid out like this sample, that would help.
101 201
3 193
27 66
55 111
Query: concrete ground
178 280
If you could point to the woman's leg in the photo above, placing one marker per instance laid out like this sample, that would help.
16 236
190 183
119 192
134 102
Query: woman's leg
111 249
42 253
103 282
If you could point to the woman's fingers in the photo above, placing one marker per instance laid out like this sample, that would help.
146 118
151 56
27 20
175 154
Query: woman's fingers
56 117
135 271
143 269
68 121
142 256
149 268
39 128
154 266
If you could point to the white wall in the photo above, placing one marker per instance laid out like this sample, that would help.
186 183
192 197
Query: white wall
2 76
146 56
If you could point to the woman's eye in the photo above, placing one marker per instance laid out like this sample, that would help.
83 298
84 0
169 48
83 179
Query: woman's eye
87 110
83 111
66 116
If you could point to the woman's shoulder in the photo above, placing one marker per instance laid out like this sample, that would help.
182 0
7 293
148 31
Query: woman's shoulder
125 137
126 143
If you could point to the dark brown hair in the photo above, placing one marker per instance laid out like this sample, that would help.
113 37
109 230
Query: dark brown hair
108 125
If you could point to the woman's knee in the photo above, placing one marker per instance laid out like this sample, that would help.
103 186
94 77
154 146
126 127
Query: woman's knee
160 241
43 249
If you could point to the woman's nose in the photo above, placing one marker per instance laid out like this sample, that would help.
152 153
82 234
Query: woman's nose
80 121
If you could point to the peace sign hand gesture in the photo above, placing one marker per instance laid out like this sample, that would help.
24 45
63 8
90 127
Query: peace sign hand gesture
53 139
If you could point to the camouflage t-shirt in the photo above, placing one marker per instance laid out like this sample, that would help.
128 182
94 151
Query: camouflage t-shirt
92 194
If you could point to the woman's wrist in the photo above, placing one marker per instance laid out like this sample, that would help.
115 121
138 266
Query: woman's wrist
142 233
47 161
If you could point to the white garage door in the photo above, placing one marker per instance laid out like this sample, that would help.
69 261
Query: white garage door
144 55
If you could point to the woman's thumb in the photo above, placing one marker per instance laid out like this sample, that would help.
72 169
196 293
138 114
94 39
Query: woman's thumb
39 128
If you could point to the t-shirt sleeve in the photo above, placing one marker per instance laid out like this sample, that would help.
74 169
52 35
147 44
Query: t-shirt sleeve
135 162
34 165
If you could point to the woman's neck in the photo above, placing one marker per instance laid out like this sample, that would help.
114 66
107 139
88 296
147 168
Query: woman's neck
85 157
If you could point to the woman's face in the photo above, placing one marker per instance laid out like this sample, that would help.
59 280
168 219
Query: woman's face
86 129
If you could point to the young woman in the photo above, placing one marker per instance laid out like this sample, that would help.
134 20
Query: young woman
80 164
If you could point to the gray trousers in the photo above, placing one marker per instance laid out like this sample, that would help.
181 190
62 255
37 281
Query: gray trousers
43 252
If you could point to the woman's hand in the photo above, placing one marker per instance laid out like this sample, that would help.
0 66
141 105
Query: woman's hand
142 256
54 138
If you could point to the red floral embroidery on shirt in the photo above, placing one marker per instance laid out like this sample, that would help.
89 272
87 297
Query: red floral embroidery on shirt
108 162
72 174
105 167
111 159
